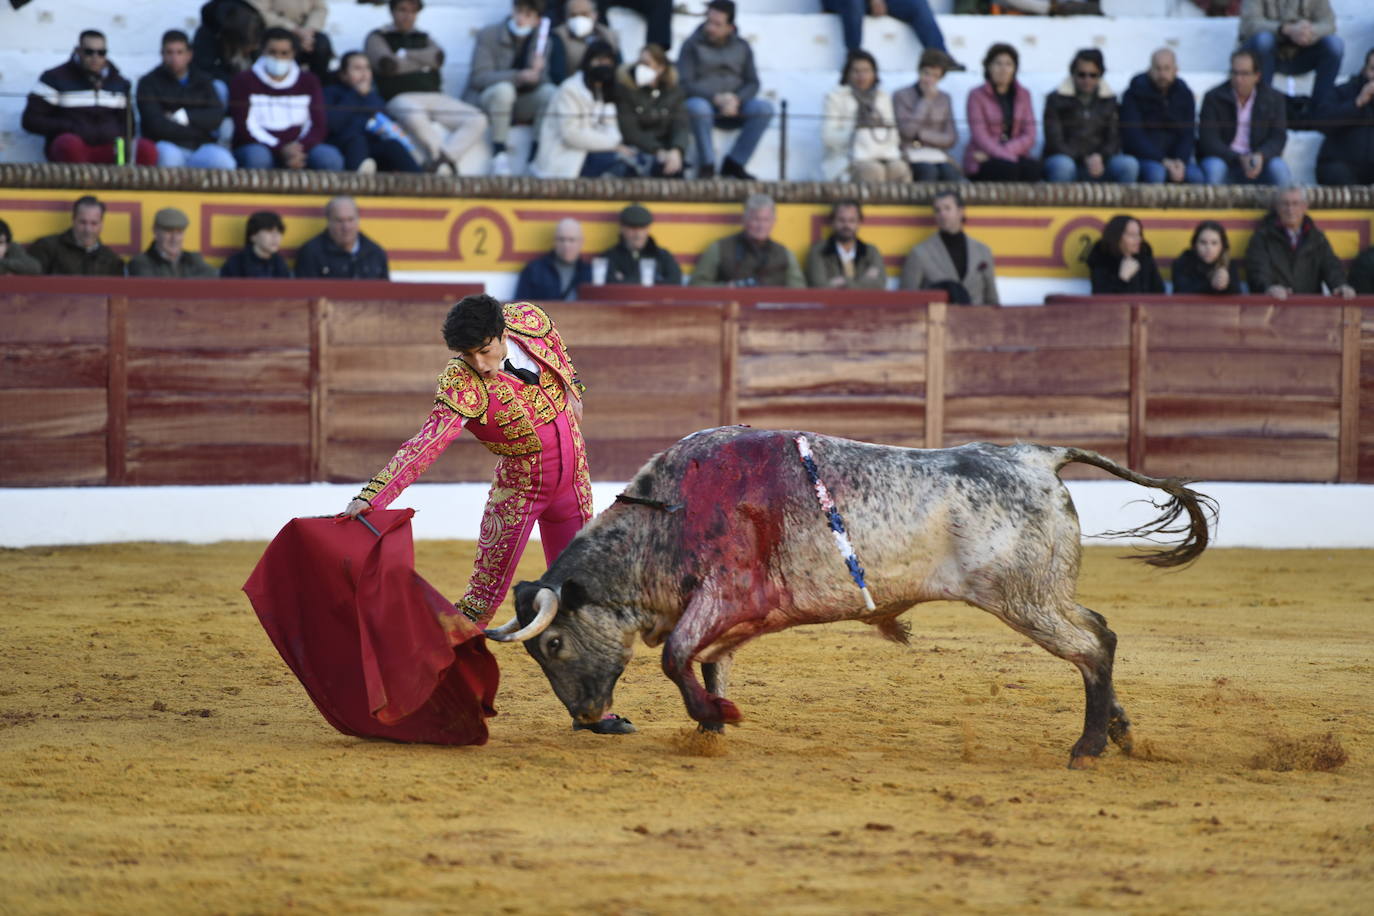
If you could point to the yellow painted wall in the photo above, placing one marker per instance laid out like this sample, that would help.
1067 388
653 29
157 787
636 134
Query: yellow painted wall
452 234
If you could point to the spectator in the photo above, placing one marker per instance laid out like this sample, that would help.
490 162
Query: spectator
1293 36
859 128
652 112
1243 128
844 261
578 30
342 251
1122 261
1030 7
1158 123
1082 127
951 260
1288 255
227 41
925 121
1362 273
79 250
750 257
658 18
358 127
13 258
278 111
305 19
580 136
556 276
1347 119
718 76
509 79
1206 266
181 111
406 65
81 109
637 254
261 255
166 256
1001 123
915 13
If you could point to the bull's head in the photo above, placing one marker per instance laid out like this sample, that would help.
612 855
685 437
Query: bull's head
582 647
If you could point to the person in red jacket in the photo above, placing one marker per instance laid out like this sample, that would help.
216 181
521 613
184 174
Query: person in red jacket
278 111
82 109
1001 123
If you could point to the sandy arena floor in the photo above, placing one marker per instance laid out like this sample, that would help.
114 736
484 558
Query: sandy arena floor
156 756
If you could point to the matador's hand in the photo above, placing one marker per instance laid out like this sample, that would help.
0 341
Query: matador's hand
357 507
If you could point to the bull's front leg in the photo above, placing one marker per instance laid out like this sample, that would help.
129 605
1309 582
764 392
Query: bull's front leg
717 677
696 629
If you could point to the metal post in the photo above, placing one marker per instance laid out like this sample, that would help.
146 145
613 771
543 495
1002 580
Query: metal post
782 142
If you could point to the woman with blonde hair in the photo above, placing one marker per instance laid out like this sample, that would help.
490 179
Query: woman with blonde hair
859 129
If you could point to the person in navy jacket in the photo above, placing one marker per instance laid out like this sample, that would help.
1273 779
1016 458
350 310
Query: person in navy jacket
556 275
369 140
1158 124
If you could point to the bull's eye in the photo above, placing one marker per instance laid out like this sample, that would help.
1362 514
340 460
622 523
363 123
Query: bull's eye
553 645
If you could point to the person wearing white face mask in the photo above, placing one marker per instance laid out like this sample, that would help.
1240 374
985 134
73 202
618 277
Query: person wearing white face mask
278 112
652 110
578 30
512 62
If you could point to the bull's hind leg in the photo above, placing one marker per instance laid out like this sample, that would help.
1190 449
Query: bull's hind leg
717 677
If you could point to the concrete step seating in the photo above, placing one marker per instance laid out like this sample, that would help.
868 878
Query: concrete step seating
798 51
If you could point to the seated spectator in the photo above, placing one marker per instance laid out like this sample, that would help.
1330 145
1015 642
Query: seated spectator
722 86
1158 123
1030 7
555 277
859 128
951 260
1289 256
580 135
1292 37
406 64
1243 128
652 112
341 251
1347 119
509 79
1122 261
1001 123
358 127
578 30
305 19
915 13
636 258
750 257
1082 127
166 256
278 111
1362 273
227 41
81 109
79 250
13 258
844 261
261 255
925 121
1206 266
180 110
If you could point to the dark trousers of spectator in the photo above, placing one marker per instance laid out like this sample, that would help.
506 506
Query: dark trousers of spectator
915 13
935 171
1340 172
1023 169
658 18
390 155
606 162
1324 57
317 60
71 148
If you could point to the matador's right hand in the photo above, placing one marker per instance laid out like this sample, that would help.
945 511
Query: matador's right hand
357 507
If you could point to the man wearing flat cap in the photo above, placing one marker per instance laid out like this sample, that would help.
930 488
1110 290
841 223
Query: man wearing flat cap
166 257
636 254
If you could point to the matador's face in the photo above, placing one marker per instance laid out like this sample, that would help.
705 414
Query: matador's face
486 360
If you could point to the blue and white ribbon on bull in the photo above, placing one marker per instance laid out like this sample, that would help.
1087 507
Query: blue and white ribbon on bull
832 515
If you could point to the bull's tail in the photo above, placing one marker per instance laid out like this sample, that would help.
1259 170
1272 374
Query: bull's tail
1200 509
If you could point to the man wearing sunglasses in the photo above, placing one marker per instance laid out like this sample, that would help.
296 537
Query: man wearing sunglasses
82 110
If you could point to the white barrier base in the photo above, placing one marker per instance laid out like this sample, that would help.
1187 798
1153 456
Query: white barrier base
1252 514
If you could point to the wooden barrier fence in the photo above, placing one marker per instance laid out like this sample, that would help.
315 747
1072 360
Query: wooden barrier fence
122 381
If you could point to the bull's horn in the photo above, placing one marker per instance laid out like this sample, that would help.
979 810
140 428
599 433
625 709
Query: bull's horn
545 607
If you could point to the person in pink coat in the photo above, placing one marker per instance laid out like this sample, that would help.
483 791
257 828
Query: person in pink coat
1001 123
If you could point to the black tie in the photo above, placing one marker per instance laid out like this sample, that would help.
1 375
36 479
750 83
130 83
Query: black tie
524 375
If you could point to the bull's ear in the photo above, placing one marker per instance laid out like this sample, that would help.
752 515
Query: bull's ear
572 596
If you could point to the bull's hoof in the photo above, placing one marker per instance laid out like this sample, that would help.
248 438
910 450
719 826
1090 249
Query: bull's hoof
717 728
609 724
1122 738
1082 763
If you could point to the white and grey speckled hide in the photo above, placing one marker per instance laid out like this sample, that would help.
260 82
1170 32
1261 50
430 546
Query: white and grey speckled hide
721 539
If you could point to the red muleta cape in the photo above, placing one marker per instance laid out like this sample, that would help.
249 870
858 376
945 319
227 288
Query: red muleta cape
381 653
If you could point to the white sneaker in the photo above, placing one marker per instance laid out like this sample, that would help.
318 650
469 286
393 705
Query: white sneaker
367 167
500 164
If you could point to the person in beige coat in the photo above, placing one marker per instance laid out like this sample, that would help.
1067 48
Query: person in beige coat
925 121
950 260
859 129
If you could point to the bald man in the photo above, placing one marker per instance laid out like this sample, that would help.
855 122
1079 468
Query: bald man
1158 123
555 276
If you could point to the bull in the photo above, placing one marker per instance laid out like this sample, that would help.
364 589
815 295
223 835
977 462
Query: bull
719 539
